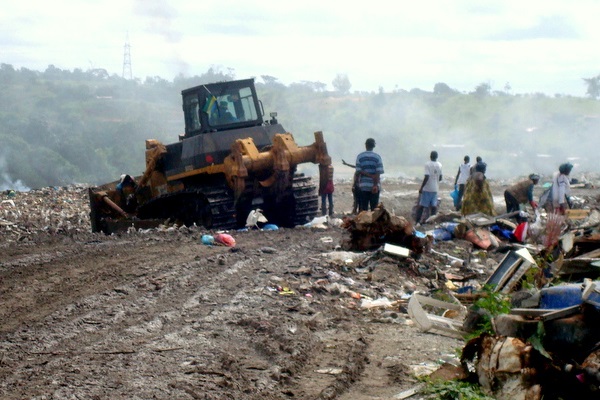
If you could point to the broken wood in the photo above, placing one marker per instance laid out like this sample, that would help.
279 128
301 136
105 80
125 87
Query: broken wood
576 214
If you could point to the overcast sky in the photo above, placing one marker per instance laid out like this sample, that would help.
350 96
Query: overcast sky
546 46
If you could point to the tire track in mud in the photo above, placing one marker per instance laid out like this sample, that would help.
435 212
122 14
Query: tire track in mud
37 283
178 326
84 326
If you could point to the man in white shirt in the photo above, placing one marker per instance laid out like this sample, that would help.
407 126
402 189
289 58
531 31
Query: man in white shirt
464 170
430 186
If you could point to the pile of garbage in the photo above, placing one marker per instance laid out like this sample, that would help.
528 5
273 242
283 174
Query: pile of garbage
532 321
522 290
370 229
48 210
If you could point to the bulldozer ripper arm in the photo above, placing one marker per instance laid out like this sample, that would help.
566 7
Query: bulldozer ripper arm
281 158
154 151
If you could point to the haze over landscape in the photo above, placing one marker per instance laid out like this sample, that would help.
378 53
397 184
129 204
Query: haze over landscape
508 81
525 47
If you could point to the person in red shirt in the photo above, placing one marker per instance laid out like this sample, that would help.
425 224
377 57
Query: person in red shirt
326 189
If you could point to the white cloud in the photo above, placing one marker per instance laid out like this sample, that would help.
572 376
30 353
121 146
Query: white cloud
537 46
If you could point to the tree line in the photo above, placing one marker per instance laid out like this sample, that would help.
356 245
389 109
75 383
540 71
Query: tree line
60 127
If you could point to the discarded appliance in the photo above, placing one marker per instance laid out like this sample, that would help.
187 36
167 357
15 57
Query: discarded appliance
569 317
511 269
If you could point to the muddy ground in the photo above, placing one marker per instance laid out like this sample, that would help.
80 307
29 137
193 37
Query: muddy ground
160 315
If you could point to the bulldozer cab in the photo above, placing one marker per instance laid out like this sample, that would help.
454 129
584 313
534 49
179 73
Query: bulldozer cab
221 106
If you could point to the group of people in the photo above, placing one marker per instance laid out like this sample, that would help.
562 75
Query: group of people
473 190
474 194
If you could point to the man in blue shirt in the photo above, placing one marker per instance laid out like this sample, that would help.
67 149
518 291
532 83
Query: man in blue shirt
369 167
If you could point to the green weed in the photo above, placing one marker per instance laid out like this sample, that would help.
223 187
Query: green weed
454 390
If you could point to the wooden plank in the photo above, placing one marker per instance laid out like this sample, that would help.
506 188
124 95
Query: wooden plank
529 312
565 312
577 214
594 254
410 392
580 266
593 238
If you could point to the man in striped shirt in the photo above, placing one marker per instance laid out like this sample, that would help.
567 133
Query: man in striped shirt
369 168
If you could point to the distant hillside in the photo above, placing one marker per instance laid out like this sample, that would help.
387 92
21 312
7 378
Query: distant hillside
61 127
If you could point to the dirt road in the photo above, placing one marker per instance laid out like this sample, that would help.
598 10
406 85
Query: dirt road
160 315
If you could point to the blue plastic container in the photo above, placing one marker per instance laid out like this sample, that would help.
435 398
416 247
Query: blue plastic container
562 296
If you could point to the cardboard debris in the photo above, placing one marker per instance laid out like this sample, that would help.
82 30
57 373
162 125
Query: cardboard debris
577 214
507 367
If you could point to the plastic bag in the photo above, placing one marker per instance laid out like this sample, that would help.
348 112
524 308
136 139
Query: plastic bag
226 239
535 228
441 234
521 232
454 195
208 240
546 198
380 302
449 226
317 222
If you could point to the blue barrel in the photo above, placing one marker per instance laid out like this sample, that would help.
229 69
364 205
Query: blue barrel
562 296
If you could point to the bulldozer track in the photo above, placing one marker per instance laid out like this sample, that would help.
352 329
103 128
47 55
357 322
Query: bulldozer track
307 200
219 199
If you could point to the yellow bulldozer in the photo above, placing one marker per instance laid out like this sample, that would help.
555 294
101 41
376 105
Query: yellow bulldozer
228 162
